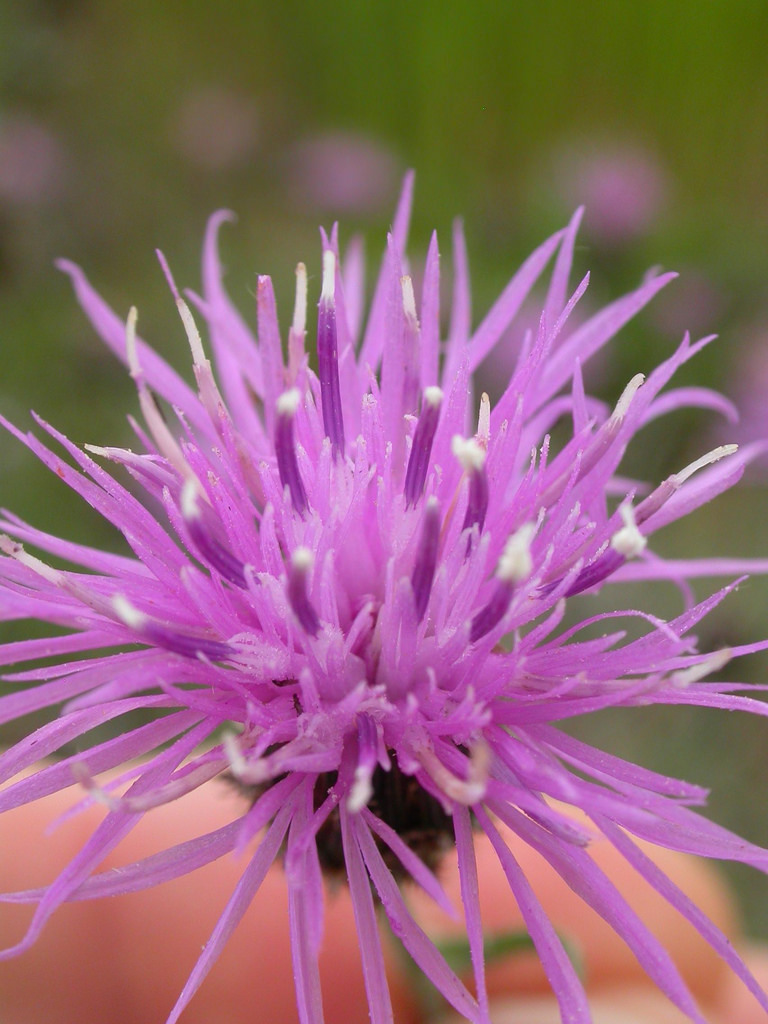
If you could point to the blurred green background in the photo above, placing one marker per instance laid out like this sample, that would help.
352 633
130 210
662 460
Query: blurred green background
123 125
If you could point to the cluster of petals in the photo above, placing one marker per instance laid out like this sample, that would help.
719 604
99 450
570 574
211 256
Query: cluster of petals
342 572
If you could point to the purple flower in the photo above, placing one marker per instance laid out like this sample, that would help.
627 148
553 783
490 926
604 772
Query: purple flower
348 590
216 129
624 189
341 171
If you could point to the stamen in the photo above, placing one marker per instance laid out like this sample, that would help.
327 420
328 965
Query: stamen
667 487
367 744
131 353
299 324
515 565
470 791
209 546
483 434
628 541
298 329
69 583
625 399
409 300
166 443
472 458
469 453
606 434
15 550
328 356
289 402
598 570
285 449
230 745
421 449
209 395
127 613
193 335
426 557
599 445
717 660
412 344
150 631
705 460
301 565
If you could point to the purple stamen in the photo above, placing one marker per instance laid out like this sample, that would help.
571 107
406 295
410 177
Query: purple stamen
477 505
602 567
285 449
328 356
628 542
303 609
150 631
367 759
412 345
426 557
472 458
216 554
514 566
493 612
187 646
657 498
421 449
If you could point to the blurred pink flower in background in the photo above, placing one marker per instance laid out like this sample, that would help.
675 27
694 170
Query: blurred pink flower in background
32 164
624 189
348 173
216 129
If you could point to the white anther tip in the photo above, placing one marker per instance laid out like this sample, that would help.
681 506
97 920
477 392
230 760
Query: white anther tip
8 546
300 307
409 300
131 353
329 276
721 452
126 612
628 541
627 395
361 792
686 676
484 421
190 508
516 562
469 453
302 559
288 402
433 395
190 328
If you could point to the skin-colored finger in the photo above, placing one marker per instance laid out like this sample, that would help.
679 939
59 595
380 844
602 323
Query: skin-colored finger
624 1006
734 1004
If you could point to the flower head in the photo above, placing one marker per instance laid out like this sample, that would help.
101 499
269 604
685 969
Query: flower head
348 589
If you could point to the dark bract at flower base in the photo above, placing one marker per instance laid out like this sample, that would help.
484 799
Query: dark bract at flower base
347 590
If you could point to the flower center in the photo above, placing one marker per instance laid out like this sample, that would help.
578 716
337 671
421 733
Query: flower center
399 801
